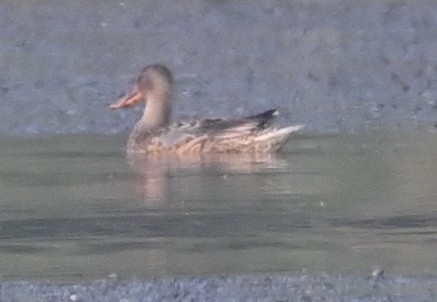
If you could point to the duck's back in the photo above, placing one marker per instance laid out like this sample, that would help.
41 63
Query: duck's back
252 134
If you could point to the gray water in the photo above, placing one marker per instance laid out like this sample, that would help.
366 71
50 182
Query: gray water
74 207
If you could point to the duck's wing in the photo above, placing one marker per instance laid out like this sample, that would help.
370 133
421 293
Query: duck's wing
222 128
256 121
264 117
216 128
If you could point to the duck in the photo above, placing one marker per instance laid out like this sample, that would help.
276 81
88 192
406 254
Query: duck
155 133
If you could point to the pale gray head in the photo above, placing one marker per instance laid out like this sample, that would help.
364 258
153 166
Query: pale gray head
154 85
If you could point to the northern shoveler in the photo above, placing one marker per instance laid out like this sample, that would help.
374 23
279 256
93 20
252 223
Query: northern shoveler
154 133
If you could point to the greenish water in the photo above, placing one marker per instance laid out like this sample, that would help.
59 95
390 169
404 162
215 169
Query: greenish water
72 207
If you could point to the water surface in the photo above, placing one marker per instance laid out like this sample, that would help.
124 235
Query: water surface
75 207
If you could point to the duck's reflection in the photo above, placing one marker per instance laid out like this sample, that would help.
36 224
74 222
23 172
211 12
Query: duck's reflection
154 172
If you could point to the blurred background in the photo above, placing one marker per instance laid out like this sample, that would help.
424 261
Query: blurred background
335 66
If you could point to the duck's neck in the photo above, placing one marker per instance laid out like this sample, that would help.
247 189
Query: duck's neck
157 113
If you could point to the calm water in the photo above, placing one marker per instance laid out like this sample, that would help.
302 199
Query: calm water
75 207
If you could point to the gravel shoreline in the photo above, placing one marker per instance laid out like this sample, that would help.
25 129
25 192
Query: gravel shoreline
231 288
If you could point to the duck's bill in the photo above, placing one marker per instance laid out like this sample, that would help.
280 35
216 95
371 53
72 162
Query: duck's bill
129 100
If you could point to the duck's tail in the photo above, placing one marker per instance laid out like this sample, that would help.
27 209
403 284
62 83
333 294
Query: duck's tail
278 133
274 139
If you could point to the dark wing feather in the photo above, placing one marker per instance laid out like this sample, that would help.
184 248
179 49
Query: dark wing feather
255 121
218 128
265 116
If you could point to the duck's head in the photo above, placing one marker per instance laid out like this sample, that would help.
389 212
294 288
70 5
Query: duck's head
153 85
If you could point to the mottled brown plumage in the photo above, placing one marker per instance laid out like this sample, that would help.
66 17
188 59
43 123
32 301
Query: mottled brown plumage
154 133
